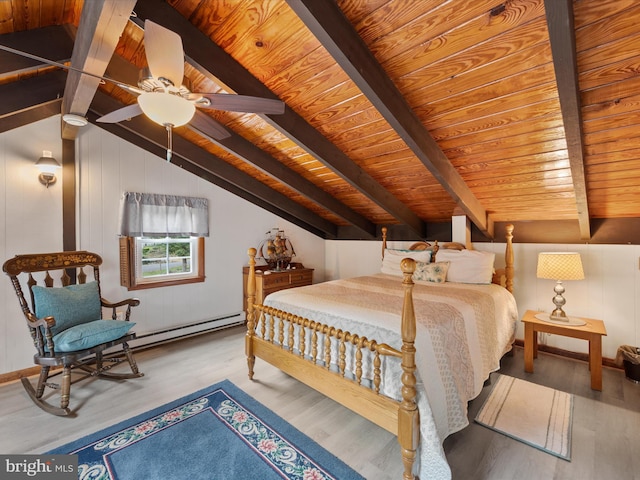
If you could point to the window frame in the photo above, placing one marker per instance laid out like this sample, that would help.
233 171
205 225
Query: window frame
129 267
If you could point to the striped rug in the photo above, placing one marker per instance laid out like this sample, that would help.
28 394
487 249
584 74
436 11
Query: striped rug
533 414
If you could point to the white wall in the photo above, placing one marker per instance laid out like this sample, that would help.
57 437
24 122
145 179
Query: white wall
610 291
31 222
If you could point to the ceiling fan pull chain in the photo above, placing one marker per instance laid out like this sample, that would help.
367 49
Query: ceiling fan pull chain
169 128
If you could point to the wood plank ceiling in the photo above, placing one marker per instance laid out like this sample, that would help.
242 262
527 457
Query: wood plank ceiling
398 113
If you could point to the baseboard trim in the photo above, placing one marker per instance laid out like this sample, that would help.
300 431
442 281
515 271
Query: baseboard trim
18 374
583 357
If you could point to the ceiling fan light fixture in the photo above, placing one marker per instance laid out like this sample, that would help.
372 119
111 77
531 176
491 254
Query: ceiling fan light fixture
166 108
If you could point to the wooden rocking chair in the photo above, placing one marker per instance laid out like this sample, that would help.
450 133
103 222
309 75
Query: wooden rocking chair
66 322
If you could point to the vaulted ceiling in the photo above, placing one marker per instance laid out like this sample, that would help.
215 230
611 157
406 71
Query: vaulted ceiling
399 113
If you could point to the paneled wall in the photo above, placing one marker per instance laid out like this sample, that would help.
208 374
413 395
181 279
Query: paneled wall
30 221
610 290
31 218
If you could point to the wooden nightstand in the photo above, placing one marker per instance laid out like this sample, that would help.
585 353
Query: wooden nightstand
592 332
267 283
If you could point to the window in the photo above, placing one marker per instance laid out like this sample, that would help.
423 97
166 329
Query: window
158 262
162 240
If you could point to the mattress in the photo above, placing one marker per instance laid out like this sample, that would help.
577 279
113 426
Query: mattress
462 331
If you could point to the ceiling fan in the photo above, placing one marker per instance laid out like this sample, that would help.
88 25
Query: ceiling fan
161 95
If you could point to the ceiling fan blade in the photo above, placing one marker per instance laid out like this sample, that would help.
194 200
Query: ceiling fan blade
121 114
165 55
243 103
207 126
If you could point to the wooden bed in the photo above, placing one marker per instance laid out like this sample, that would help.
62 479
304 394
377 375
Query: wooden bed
302 348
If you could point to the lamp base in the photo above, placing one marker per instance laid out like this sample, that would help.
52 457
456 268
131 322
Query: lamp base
569 322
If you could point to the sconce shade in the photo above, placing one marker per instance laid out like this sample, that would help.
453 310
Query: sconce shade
166 108
48 166
560 266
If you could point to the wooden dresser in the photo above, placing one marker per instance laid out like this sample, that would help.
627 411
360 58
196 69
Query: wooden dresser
267 283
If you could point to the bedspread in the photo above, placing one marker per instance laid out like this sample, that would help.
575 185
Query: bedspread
462 332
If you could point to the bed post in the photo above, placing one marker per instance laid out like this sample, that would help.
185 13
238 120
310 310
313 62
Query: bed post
384 240
408 416
508 259
251 314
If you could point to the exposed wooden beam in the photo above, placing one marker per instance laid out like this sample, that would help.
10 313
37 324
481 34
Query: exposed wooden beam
604 231
327 22
265 162
237 145
30 115
214 62
184 150
31 99
69 195
151 147
53 43
101 24
560 23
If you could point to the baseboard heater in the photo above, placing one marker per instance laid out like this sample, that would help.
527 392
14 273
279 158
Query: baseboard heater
151 339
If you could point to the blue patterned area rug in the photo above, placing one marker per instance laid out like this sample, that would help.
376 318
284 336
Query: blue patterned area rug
217 433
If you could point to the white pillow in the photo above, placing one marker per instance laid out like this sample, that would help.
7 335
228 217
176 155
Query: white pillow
468 266
392 259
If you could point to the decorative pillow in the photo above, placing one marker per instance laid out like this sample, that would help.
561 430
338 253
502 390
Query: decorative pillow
69 306
468 266
392 259
90 334
431 272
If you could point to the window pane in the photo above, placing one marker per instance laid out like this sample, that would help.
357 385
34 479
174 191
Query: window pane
159 262
165 256
154 267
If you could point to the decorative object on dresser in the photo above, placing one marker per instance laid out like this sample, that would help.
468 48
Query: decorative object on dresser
276 250
322 335
560 266
269 281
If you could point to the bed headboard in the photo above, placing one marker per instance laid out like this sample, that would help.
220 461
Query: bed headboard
502 276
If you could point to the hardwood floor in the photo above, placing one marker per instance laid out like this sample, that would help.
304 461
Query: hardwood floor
605 443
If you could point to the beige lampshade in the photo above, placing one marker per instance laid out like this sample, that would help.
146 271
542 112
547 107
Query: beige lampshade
560 266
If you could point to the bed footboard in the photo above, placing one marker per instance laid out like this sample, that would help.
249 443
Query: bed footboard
304 349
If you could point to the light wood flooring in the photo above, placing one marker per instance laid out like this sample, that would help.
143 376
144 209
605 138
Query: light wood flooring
606 428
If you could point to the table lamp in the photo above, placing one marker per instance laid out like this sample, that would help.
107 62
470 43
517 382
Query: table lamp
560 266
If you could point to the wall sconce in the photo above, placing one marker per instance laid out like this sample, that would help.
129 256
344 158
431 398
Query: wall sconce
48 166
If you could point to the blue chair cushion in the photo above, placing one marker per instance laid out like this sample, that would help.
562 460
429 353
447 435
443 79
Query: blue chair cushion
87 335
70 306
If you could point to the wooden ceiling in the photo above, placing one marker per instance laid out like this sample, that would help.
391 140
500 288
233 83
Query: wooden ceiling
398 112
